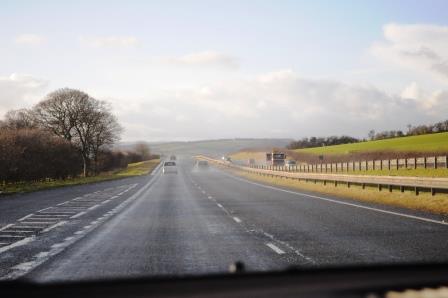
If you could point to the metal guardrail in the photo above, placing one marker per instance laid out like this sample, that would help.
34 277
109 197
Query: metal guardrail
414 183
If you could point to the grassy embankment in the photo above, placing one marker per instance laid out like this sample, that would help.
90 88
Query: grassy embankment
431 143
424 202
437 142
134 169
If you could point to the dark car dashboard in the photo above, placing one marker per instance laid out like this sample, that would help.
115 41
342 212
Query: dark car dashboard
371 281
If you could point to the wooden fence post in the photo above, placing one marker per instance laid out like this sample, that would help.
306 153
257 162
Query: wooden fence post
435 162
424 162
388 164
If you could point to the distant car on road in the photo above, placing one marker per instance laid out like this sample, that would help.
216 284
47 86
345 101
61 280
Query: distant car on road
169 167
290 163
202 164
173 157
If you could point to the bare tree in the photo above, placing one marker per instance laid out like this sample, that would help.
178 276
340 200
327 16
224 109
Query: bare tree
19 119
82 120
371 134
143 150
105 130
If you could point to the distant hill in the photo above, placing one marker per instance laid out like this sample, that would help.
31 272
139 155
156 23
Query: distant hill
210 147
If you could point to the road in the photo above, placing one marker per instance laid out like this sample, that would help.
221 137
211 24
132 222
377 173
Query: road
200 221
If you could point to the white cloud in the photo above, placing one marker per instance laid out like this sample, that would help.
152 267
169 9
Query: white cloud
109 41
29 39
206 58
20 91
420 48
282 104
412 91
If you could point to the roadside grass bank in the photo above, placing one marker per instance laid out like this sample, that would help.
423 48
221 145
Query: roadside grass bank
424 201
436 142
419 172
133 169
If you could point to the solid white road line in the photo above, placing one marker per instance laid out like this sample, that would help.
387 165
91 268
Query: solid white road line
219 205
25 217
343 203
78 215
275 248
54 226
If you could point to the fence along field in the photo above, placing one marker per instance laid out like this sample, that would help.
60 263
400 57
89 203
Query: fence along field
415 183
434 162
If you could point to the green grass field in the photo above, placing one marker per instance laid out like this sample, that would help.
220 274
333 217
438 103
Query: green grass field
133 169
425 143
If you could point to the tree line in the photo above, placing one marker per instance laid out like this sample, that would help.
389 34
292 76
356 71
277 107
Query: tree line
437 127
319 142
67 134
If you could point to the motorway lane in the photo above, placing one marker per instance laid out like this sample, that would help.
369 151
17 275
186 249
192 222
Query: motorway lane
329 230
201 221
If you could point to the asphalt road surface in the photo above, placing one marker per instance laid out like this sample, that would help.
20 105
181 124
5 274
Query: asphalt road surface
200 221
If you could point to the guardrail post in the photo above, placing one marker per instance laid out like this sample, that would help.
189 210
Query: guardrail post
405 163
325 182
335 183
415 162
380 187
390 188
416 191
402 188
433 191
373 164
363 186
367 165
424 162
397 163
348 184
435 162
446 162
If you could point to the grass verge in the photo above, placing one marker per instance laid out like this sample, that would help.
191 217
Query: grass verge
424 201
133 169
422 143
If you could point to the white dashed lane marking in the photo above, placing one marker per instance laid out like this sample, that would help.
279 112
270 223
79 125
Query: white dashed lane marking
275 248
237 219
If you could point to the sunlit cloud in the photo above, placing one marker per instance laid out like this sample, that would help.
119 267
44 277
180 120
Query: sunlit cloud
20 91
206 58
420 48
109 41
29 39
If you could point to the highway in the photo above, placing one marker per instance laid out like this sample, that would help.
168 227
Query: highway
200 221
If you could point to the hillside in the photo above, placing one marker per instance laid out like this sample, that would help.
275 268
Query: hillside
437 142
211 147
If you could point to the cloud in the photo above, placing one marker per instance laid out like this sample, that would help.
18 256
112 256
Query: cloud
206 58
20 91
281 104
29 39
109 41
420 48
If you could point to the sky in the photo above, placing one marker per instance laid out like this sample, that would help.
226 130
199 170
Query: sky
189 70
